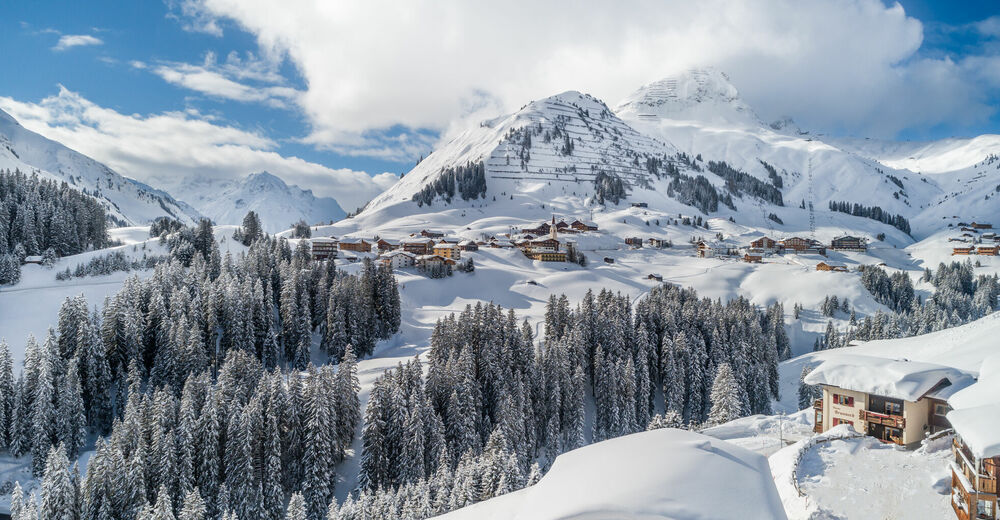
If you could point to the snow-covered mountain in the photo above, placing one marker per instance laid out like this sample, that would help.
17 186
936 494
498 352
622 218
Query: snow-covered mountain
701 113
687 144
278 204
127 201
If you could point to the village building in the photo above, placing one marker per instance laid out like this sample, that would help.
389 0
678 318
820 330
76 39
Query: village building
358 245
634 242
848 243
753 259
387 244
431 234
658 243
450 251
824 266
975 467
33 259
432 261
398 259
707 250
468 245
655 276
895 401
800 245
582 226
547 256
417 245
764 245
323 248
988 250
982 225
609 260
640 205
501 243
961 250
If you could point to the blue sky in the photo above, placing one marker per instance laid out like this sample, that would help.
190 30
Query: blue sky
347 90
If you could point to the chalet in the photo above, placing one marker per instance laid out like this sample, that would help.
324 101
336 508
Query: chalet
894 400
358 245
582 226
800 245
417 245
968 229
634 242
541 229
961 251
430 234
449 251
654 276
640 205
500 243
988 250
323 247
848 243
976 464
448 240
609 260
753 259
563 227
989 236
764 245
981 225
387 244
824 266
468 245
706 250
398 259
658 243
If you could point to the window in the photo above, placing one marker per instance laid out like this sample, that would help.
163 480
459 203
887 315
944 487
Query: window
941 409
984 509
892 408
837 421
843 400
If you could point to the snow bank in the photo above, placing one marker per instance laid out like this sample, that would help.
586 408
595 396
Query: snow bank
664 473
898 378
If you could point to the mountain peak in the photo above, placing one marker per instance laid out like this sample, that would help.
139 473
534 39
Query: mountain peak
703 94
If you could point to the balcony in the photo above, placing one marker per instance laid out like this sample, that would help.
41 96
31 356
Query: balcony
985 483
894 421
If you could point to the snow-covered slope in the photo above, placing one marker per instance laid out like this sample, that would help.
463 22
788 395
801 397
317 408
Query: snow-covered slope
278 204
659 474
128 202
701 113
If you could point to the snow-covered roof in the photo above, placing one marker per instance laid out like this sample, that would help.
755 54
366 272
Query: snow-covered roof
467 242
353 240
444 245
391 254
326 240
664 473
896 378
976 414
415 240
979 427
33 259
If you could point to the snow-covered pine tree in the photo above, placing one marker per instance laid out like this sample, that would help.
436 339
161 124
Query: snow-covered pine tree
726 404
59 495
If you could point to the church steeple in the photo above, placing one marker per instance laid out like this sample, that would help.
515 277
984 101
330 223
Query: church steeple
552 229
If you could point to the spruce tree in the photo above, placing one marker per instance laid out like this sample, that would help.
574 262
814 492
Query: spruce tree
725 398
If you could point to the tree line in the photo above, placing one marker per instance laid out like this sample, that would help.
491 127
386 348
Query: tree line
872 212
42 217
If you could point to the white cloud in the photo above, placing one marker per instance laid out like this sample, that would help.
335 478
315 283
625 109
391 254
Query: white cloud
166 148
68 41
377 64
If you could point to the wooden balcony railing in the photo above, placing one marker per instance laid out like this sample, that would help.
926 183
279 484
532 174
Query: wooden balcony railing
895 421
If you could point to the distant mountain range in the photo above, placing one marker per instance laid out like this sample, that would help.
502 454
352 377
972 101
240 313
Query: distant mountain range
129 202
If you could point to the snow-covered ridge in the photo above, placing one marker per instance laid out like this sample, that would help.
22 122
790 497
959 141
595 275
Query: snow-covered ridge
127 201
663 473
276 203
699 94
